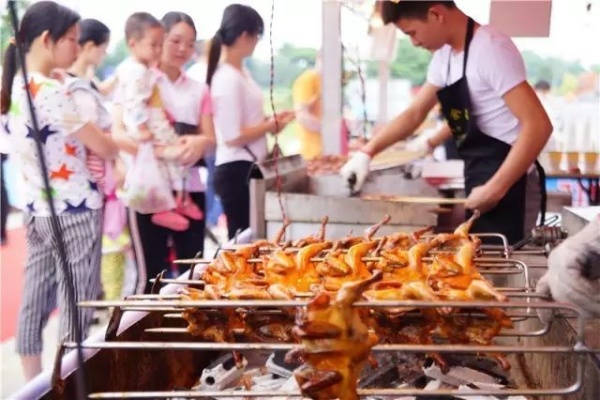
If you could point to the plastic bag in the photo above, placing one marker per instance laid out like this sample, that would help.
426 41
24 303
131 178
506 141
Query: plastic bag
146 189
115 214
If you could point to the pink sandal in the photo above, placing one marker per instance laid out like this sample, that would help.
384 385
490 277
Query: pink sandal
170 220
188 208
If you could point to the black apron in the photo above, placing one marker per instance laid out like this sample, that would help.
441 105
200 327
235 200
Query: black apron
483 155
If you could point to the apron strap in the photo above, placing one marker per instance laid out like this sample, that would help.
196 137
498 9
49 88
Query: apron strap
468 38
544 195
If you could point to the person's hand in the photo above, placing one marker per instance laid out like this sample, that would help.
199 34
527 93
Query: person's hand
484 198
144 135
192 149
574 273
356 143
168 153
355 171
421 145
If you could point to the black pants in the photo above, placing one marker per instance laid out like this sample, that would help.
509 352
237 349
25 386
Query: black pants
231 185
4 206
150 243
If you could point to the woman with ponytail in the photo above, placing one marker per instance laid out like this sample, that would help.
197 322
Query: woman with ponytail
240 123
49 36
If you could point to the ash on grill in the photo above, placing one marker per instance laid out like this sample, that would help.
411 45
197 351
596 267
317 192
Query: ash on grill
270 372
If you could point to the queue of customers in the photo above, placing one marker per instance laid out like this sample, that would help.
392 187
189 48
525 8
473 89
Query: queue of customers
160 121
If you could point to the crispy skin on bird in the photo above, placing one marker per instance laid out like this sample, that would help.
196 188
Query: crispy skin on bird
336 343
407 267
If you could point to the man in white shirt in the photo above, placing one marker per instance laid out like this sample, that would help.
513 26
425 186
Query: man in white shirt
478 76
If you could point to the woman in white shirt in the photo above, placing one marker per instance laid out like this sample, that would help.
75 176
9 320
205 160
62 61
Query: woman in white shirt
93 41
188 106
240 123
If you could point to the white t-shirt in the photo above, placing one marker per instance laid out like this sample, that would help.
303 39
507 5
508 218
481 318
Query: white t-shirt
237 103
183 102
494 67
89 102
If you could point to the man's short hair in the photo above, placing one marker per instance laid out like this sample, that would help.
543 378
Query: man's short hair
393 11
137 23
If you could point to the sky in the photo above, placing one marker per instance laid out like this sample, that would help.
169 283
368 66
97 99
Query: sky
299 22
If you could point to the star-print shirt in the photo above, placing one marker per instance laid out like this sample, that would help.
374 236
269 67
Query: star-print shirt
58 117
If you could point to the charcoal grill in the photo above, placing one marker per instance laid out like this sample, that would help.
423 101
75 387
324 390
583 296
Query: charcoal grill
147 352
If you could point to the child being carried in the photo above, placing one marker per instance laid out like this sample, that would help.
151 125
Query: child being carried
144 116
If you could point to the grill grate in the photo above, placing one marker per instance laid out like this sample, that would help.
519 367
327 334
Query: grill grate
523 307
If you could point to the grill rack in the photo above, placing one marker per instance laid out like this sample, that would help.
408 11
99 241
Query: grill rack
487 266
578 350
488 252
522 310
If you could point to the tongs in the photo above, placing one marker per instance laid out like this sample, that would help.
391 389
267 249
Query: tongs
352 180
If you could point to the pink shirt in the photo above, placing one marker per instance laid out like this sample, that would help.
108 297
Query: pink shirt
206 106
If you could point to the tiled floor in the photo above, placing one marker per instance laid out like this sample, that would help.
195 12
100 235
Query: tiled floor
12 377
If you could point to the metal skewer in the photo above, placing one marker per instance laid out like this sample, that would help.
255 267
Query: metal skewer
504 333
301 303
407 348
503 393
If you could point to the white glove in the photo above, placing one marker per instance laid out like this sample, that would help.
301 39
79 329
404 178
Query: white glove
357 166
574 272
420 145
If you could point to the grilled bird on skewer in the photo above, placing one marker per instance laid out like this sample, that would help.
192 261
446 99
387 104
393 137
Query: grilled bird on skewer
283 273
335 343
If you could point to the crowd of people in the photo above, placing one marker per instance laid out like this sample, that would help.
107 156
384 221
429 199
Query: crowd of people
126 157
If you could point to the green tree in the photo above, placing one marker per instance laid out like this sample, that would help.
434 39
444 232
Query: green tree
6 29
303 57
410 63
290 61
551 69
114 58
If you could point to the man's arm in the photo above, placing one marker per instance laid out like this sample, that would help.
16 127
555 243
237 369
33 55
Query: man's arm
536 129
406 123
444 133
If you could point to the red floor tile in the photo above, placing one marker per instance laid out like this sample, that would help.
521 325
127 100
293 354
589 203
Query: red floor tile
12 257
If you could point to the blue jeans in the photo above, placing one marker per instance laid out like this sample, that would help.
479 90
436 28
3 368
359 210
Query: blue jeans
214 209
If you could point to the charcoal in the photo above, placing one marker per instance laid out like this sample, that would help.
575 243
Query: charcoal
276 364
482 364
380 376
220 374
467 388
410 369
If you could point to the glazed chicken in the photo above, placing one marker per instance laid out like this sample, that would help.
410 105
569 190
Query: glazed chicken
397 267
336 343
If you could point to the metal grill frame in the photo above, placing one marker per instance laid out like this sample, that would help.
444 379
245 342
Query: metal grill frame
494 260
578 350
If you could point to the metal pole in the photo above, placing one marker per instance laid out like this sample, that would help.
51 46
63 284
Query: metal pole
331 86
384 77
